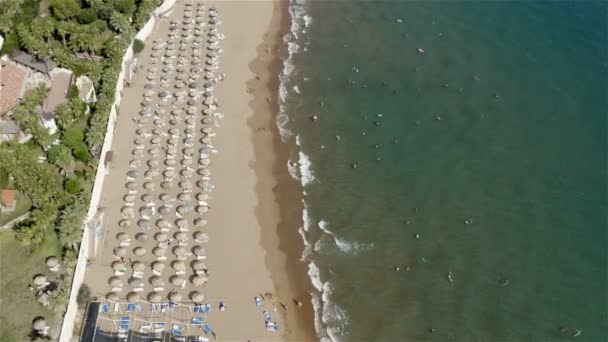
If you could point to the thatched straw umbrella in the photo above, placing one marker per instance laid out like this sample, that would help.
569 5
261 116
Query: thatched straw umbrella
145 211
129 198
185 184
138 266
154 297
201 237
120 252
199 222
164 210
181 236
162 223
131 185
198 280
143 224
197 297
186 161
132 297
119 266
52 262
184 209
149 186
159 252
134 163
136 282
124 223
179 265
39 280
122 236
156 281
167 185
141 237
152 163
179 251
161 237
178 281
39 324
113 297
139 251
199 251
175 297
114 281
158 266
147 198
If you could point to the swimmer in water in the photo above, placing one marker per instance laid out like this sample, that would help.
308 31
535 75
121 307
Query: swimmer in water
450 279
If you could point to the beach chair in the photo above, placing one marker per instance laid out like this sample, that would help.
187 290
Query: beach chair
104 308
130 307
197 321
197 309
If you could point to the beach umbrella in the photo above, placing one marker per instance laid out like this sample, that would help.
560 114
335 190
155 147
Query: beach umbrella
159 252
181 222
150 76
189 140
162 223
207 130
111 296
141 237
135 163
39 280
138 266
198 280
154 151
136 282
161 237
164 210
202 196
181 93
114 281
185 184
164 94
139 251
179 251
184 209
180 85
155 140
124 223
179 265
154 297
158 266
132 297
171 151
150 173
177 111
203 184
201 237
177 280
118 266
122 236
158 122
52 261
141 131
199 251
131 185
149 185
198 265
157 281
197 297
127 212
147 198
173 131
199 222
207 121
145 211
191 110
138 141
170 162
129 198
186 162
201 209
181 236
143 224
166 185
164 197
183 197
157 131
190 130
175 297
169 173
152 163
207 141
172 141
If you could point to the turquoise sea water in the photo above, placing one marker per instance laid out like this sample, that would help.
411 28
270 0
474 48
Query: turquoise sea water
480 167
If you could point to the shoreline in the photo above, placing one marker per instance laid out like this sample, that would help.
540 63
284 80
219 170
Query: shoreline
279 210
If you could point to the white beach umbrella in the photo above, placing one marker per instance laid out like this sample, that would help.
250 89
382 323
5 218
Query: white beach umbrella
132 297
179 251
122 236
175 297
141 237
115 281
161 237
158 266
159 252
127 212
201 237
139 251
181 236
179 265
197 297
198 280
124 223
199 251
154 297
111 296
164 210
199 222
143 224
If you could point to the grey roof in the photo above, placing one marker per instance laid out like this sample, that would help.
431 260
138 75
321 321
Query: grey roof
9 127
42 65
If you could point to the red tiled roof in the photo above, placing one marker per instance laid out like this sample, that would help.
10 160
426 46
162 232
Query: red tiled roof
12 79
8 196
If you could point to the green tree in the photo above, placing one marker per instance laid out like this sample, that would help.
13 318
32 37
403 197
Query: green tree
138 46
70 224
72 186
59 299
8 11
120 23
65 9
82 153
61 156
84 295
87 15
126 7
72 137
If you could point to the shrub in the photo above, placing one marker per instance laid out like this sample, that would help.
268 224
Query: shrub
84 295
138 46
72 186
82 153
73 137
87 16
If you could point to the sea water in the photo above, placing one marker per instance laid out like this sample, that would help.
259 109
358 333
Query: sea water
452 157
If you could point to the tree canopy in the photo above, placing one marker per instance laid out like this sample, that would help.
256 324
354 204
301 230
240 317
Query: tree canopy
65 9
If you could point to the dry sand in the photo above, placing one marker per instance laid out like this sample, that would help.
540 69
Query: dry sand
254 246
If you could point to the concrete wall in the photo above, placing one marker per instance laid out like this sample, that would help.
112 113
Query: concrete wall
67 328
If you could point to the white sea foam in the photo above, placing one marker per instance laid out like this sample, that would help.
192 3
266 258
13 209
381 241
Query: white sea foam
345 246
307 252
307 20
306 174
297 140
315 275
296 89
306 220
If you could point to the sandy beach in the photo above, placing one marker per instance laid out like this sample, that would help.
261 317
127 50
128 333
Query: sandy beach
253 247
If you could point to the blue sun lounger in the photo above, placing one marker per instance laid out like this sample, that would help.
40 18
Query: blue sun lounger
104 308
130 307
197 321
207 328
123 324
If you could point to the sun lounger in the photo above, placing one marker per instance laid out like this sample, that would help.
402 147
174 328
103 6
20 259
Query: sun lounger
104 308
158 289
161 258
119 273
156 272
130 307
116 289
125 244
138 289
138 275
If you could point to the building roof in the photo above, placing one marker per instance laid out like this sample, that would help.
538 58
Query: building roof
41 65
12 79
9 126
60 85
8 196
84 86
